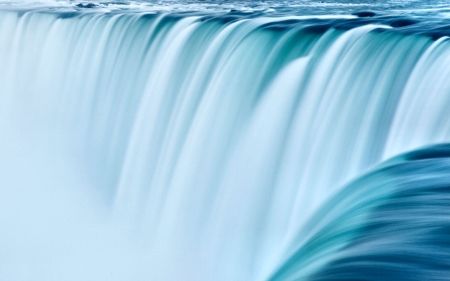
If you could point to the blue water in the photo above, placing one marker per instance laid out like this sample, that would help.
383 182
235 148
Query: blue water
404 229
208 140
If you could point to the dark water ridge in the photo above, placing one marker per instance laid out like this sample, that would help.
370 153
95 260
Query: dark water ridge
404 229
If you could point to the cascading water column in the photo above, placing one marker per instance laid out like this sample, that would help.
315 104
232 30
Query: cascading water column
197 147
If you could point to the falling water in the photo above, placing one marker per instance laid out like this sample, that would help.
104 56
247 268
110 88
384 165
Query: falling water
171 146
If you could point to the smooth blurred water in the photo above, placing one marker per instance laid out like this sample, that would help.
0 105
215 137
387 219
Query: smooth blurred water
186 141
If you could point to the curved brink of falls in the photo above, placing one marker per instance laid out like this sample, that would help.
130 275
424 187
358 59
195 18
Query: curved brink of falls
391 223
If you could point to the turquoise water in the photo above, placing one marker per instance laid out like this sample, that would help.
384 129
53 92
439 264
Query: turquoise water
307 7
188 141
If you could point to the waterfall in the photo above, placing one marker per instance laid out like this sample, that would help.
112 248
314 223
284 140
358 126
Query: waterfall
171 146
